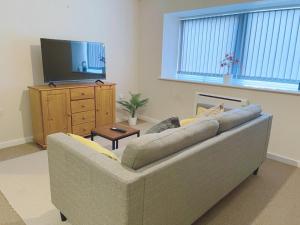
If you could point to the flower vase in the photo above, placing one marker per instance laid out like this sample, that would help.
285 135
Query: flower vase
227 78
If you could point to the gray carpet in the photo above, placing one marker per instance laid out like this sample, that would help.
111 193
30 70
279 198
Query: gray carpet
8 215
270 198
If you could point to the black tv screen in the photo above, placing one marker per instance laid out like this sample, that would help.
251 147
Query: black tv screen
73 60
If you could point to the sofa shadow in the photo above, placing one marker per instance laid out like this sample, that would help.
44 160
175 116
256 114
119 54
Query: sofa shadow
36 64
25 111
37 77
49 218
247 201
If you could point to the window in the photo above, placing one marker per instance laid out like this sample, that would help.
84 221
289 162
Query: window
267 44
96 56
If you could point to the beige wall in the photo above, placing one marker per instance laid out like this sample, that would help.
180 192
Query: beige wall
22 23
177 98
121 25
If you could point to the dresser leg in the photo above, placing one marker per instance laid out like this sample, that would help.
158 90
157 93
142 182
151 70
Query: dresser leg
92 136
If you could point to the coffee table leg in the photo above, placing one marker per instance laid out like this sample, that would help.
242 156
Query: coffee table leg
138 134
113 145
117 144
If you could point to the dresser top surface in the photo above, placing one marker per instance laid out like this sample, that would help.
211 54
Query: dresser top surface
65 86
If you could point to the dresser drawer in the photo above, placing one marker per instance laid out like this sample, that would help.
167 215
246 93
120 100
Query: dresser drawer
84 129
83 117
82 93
82 105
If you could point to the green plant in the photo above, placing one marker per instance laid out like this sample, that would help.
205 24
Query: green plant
133 104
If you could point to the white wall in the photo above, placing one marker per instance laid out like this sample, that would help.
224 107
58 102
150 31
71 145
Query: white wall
132 32
22 23
177 98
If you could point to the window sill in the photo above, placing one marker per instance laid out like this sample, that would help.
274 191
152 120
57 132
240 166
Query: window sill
264 86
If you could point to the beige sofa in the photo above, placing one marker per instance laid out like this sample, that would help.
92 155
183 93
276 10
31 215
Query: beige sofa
171 178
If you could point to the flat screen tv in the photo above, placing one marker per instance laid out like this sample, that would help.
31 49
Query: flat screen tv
72 60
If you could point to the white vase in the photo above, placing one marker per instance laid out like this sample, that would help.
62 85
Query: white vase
227 78
132 121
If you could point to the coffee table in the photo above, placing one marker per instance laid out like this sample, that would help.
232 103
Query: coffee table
114 136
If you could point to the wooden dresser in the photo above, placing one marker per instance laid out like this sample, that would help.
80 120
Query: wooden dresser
70 108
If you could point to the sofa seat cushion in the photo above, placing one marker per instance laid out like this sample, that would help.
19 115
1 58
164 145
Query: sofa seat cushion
236 117
152 147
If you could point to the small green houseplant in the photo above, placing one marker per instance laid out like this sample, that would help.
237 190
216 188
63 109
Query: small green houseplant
132 106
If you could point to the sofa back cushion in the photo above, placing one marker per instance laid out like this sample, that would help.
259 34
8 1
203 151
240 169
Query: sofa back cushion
236 117
152 147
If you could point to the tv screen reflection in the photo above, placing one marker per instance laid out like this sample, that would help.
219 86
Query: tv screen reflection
88 57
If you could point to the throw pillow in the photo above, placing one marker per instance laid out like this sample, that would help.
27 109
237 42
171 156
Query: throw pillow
187 121
93 145
201 111
169 123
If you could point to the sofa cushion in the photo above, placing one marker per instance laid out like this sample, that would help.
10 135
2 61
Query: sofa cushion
236 117
172 122
152 147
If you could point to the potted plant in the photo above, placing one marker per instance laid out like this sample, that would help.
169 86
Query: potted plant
132 106
228 62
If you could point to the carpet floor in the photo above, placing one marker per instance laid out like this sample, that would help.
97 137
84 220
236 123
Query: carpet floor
271 198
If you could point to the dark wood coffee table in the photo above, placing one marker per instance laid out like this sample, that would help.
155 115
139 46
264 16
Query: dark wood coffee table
114 136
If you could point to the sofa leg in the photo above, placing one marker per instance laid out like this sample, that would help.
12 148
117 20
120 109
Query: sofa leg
256 171
63 218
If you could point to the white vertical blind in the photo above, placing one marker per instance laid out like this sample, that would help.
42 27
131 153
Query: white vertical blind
267 44
204 43
95 52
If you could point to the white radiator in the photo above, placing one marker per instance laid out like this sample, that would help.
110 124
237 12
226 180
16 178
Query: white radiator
212 100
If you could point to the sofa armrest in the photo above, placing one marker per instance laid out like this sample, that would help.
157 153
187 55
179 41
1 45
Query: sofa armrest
89 188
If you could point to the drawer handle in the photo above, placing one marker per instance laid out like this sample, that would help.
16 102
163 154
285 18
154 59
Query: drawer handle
84 129
82 106
83 118
82 93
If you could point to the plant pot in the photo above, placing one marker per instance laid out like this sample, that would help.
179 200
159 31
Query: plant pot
132 121
227 78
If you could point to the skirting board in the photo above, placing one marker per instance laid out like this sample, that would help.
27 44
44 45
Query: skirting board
149 119
15 142
142 117
283 159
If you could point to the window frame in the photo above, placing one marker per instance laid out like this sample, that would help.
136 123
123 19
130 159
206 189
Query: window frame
172 35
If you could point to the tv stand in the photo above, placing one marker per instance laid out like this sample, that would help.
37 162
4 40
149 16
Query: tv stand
71 108
51 84
99 81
